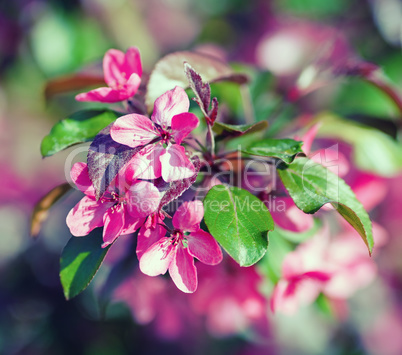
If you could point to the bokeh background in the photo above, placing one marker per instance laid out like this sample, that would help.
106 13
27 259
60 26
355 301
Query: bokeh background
42 40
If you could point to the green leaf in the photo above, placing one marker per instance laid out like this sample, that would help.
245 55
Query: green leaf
169 72
284 149
373 150
219 127
80 127
239 221
311 186
79 262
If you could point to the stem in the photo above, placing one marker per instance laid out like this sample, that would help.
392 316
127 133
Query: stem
210 140
247 104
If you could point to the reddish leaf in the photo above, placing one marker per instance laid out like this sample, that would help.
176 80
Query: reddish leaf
105 159
41 210
71 83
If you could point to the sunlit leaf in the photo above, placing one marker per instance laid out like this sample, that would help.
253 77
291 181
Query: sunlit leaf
311 186
239 221
284 149
79 262
80 127
169 72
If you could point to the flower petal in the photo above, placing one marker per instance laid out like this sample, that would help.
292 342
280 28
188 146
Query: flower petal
182 125
171 103
103 94
204 247
132 85
145 164
86 215
114 68
156 259
80 176
175 164
149 235
114 223
189 216
132 62
133 130
182 270
143 199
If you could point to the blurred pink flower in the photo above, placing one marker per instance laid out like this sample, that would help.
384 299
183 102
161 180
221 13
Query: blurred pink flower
303 276
122 73
155 300
337 268
177 251
162 154
229 298
121 210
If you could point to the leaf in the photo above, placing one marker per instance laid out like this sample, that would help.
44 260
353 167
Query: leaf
71 83
79 262
220 127
105 159
41 210
284 149
311 186
239 221
373 150
169 72
176 188
80 127
201 90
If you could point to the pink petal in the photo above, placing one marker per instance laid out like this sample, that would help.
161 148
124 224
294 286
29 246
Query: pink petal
86 215
143 199
145 164
175 164
80 177
182 270
149 235
204 247
171 103
133 130
103 94
114 223
131 224
182 125
132 63
132 85
114 68
189 216
156 260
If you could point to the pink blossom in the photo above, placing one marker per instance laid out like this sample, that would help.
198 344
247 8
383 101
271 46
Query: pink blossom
229 298
303 276
177 251
121 210
337 268
161 137
122 73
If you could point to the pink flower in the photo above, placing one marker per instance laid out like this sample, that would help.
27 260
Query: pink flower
161 137
229 298
303 276
122 73
121 210
176 252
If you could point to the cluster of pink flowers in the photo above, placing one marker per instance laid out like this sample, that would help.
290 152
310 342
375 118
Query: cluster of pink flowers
132 200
